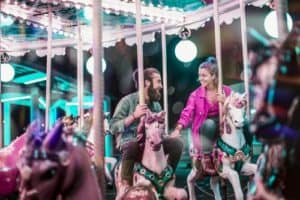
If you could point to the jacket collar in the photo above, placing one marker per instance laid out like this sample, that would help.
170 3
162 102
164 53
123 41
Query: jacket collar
201 91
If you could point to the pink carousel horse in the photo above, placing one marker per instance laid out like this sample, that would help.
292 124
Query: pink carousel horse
52 168
9 175
153 172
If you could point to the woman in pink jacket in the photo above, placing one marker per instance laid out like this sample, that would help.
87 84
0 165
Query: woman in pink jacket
202 109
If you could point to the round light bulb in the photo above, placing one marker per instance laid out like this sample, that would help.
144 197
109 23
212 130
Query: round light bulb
271 25
90 65
7 72
186 51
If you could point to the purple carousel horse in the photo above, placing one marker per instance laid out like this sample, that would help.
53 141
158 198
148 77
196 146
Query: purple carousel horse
51 168
9 174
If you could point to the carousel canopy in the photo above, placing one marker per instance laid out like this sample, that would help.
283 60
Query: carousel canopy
29 21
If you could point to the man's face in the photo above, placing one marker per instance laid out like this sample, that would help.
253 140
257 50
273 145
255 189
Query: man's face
155 87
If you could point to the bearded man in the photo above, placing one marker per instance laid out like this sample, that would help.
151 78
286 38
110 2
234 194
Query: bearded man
124 123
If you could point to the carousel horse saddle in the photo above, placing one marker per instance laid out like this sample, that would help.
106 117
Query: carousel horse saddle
207 162
159 181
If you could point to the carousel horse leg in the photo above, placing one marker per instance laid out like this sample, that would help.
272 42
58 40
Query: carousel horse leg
249 169
112 162
191 180
224 189
215 187
234 179
175 193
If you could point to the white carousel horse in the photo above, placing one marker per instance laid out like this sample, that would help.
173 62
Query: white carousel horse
109 161
233 151
153 171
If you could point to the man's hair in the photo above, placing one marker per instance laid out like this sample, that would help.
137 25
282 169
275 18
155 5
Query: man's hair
148 75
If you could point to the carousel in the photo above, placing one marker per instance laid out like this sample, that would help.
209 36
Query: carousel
55 136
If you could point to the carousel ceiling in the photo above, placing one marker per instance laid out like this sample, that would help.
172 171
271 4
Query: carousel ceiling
30 20
23 25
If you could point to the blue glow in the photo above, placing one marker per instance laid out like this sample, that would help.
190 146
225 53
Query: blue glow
88 13
6 20
15 99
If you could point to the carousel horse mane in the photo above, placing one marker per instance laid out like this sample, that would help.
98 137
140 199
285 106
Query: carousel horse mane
149 119
50 168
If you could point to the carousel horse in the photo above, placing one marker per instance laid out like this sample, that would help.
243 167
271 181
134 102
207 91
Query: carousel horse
233 151
110 162
231 155
153 172
52 168
9 174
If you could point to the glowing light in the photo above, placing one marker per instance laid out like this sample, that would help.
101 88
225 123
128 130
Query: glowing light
186 51
90 65
271 25
15 98
7 72
6 20
88 13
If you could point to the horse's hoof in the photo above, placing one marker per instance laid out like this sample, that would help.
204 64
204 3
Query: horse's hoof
121 192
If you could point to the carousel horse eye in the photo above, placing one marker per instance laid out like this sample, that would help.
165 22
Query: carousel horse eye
50 173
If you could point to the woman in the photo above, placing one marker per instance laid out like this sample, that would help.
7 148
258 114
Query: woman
202 109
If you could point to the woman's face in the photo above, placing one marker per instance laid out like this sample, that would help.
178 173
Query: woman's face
205 77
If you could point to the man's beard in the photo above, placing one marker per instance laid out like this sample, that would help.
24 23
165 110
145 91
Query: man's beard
154 94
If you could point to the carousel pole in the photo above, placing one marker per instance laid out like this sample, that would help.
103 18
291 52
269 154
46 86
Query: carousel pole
1 123
139 46
281 8
98 92
218 51
245 54
80 81
48 69
165 80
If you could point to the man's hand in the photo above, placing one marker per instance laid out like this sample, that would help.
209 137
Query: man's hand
140 111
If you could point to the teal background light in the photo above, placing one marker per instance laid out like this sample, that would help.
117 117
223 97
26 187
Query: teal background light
7 135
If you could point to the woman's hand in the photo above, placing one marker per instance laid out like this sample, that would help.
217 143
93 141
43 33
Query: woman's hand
221 97
176 132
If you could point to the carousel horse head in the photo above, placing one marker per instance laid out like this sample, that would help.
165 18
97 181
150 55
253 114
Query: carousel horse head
9 174
276 101
51 167
152 126
139 193
234 110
